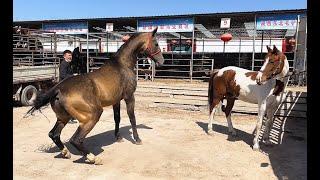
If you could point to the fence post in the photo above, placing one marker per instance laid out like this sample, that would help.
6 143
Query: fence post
137 74
191 60
153 70
254 39
212 64
88 51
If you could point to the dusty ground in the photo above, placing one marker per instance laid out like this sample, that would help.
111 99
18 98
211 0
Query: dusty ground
175 146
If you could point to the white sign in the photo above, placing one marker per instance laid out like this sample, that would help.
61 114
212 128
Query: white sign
277 22
66 28
225 23
109 27
166 25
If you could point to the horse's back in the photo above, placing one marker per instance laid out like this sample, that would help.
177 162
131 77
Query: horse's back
249 90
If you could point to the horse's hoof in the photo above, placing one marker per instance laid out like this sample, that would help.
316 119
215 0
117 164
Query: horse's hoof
233 133
67 156
65 153
256 147
268 142
119 139
97 161
210 132
90 158
139 142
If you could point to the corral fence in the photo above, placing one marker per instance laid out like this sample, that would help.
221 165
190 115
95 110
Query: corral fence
194 55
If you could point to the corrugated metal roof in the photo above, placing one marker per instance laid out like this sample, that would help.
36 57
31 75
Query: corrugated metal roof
170 15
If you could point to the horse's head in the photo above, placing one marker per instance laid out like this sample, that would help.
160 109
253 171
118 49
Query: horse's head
152 48
275 65
76 54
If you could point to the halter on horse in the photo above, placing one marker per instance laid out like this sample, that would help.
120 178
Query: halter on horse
262 88
84 96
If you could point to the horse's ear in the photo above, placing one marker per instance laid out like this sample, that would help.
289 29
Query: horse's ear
275 49
154 31
269 49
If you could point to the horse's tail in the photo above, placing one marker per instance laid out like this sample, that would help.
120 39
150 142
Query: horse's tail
210 88
42 99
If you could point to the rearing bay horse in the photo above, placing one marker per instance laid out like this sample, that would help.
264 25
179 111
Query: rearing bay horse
262 88
84 96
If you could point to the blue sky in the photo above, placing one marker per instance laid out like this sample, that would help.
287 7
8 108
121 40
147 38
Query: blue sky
75 9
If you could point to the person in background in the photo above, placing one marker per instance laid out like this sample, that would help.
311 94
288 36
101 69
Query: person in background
65 66
65 71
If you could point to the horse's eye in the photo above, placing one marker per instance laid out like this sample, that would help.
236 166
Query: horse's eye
271 62
157 44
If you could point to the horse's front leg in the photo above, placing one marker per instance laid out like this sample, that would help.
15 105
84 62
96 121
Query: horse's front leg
269 122
261 113
116 115
130 110
271 109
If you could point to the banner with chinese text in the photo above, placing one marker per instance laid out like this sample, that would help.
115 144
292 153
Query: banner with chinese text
66 28
277 22
167 25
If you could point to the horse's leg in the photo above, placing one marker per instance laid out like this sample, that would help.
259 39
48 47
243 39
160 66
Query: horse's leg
230 103
271 109
130 110
54 134
84 128
268 124
116 115
261 113
212 110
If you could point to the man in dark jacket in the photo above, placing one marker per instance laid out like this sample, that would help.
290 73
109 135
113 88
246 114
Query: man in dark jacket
65 70
65 66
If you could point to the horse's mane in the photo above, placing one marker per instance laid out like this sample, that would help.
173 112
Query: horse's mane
124 45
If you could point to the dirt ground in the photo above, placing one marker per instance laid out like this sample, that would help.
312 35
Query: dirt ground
175 146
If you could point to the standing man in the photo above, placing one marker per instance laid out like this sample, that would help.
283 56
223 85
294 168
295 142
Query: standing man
65 71
65 66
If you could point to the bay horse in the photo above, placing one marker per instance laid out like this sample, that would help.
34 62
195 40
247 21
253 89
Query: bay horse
261 87
84 96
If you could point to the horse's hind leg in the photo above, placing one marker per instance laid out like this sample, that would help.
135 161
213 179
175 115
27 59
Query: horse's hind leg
130 110
116 114
54 134
212 110
230 103
84 128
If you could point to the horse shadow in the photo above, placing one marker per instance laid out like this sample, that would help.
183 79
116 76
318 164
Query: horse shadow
241 135
96 142
287 156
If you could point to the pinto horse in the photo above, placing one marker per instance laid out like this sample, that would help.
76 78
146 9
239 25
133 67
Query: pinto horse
84 96
262 88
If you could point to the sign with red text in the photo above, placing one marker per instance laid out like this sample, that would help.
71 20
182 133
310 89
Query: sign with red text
66 28
166 25
277 22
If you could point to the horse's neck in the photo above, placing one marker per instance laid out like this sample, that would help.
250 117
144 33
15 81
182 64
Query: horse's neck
127 55
285 71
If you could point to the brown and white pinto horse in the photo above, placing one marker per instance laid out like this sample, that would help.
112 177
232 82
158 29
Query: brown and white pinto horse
259 87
